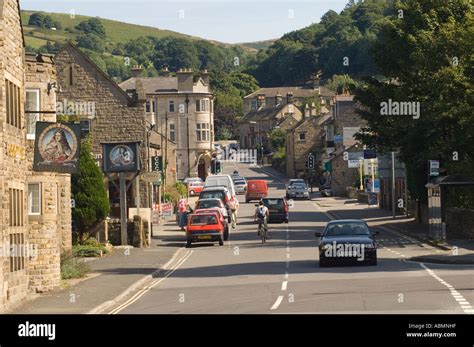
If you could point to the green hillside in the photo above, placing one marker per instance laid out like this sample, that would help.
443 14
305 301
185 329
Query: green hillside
117 32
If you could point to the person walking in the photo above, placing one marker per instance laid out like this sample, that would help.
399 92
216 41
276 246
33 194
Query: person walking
234 207
182 212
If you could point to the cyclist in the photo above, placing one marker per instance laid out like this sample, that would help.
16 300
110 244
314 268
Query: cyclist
262 214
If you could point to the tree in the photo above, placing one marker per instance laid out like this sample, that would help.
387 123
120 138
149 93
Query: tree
278 137
42 20
92 26
427 58
88 191
92 42
341 84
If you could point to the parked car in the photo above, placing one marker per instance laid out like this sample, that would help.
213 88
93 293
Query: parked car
223 219
212 203
187 180
349 239
221 181
256 190
240 185
290 182
204 227
277 208
299 190
195 188
217 192
325 191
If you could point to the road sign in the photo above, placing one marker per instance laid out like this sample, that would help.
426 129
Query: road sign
434 167
352 164
328 166
338 138
151 176
370 154
372 199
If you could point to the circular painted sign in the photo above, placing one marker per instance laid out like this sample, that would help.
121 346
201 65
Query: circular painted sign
57 143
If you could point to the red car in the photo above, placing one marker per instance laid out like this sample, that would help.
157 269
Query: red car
195 188
221 216
205 227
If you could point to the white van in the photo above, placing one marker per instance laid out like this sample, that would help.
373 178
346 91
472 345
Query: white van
222 181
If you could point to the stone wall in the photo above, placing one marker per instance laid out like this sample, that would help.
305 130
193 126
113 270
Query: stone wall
13 173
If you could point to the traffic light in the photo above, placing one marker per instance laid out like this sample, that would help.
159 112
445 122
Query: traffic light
218 166
213 166
311 162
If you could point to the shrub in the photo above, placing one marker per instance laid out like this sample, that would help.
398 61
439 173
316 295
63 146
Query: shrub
84 251
72 268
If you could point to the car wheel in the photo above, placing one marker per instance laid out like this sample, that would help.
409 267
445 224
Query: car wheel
286 221
188 244
221 241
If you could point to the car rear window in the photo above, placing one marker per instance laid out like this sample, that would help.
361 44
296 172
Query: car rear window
273 203
239 182
212 195
203 219
209 203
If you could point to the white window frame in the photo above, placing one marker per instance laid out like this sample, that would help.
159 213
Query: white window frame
203 132
173 131
30 203
299 137
31 135
253 104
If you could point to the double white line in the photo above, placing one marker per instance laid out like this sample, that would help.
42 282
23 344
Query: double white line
147 288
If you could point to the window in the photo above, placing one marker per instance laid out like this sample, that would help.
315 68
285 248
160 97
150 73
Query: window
71 75
34 198
253 104
202 105
302 136
13 104
171 106
202 132
17 257
147 106
153 106
16 207
85 127
172 132
32 106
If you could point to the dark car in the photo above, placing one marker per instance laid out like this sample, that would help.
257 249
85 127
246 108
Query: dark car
277 208
348 239
219 193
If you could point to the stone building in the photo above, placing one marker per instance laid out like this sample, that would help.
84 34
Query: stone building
109 114
256 126
36 206
305 137
182 108
271 97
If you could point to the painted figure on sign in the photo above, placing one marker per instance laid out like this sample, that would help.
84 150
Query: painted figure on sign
58 148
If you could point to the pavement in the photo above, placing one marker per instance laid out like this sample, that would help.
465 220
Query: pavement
111 277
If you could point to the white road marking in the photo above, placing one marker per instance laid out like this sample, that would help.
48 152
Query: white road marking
465 305
284 285
277 303
145 290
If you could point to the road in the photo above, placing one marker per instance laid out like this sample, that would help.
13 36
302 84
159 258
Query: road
283 276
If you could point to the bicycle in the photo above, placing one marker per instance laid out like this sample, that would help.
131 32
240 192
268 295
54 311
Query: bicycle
262 231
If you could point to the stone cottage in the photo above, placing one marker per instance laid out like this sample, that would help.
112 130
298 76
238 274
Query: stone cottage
110 114
36 206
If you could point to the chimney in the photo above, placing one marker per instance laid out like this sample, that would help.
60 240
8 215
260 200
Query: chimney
260 101
279 99
185 80
314 110
289 98
317 82
205 76
307 111
136 71
165 72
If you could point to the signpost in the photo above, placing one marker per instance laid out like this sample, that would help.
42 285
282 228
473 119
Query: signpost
151 176
434 168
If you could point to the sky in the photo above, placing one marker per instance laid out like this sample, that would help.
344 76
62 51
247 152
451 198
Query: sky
230 21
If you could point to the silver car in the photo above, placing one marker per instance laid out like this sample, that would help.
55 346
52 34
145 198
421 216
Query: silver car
299 190
290 183
240 185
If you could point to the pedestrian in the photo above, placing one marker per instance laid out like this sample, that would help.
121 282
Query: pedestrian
234 207
182 212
